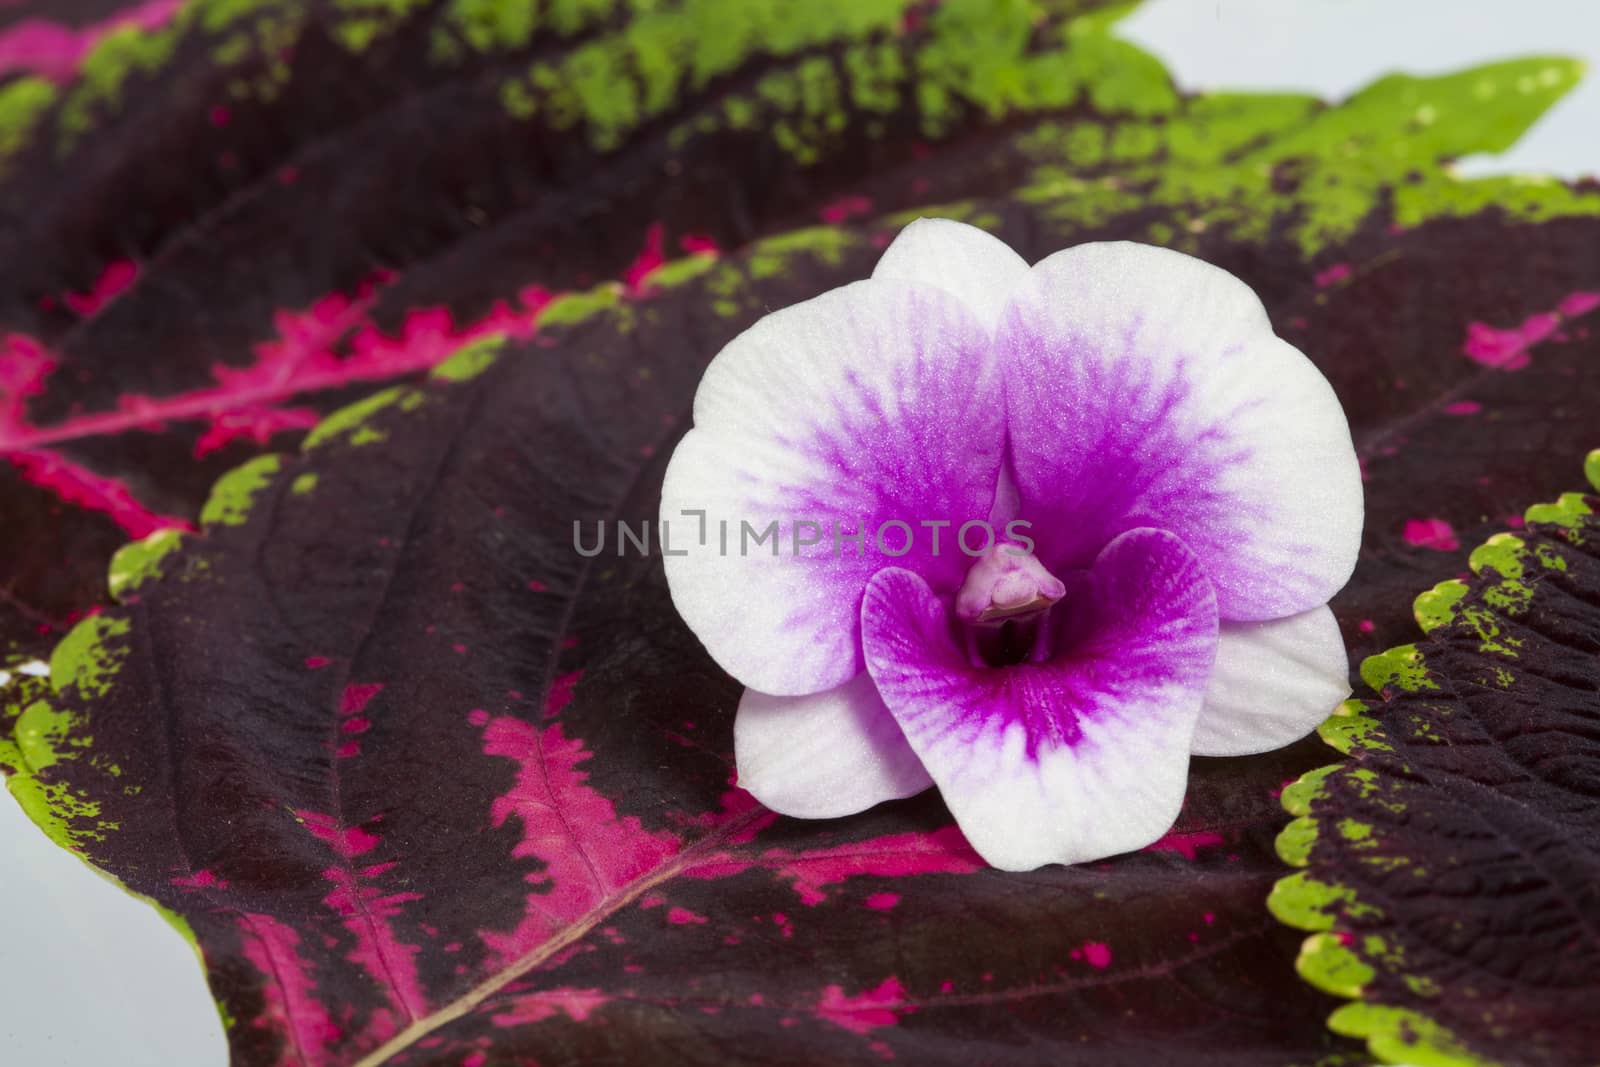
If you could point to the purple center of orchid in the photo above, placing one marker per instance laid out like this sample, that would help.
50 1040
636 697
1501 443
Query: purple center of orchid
1003 607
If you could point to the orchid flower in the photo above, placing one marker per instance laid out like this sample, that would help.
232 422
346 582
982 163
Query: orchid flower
1085 521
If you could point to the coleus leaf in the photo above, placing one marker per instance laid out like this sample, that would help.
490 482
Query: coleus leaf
426 784
1050 133
1452 864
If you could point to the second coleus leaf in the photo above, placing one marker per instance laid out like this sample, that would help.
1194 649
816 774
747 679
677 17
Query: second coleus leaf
1452 865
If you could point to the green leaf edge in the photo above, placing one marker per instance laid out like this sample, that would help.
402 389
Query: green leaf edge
1327 959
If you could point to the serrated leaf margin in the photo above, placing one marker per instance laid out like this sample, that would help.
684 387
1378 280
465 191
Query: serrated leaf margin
1327 959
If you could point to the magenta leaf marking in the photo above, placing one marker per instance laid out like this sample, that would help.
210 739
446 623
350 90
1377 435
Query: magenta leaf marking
113 280
1187 845
1508 349
576 1004
813 871
1431 533
76 484
589 854
292 1007
866 1011
300 360
52 50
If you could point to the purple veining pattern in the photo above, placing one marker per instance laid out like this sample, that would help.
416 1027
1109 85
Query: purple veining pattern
1090 471
1103 725
1128 406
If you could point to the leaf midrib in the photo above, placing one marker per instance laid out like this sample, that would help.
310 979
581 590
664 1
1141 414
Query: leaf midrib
573 932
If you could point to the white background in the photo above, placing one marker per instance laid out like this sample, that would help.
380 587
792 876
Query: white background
90 977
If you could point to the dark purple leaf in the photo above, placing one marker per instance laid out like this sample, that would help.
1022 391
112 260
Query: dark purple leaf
423 784
424 774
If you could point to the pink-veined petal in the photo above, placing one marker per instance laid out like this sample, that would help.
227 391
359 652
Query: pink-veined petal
824 755
1273 683
1146 388
1073 759
967 262
873 404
